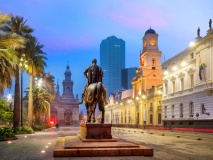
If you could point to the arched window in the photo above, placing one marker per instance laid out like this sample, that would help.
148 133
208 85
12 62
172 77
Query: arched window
153 63
151 119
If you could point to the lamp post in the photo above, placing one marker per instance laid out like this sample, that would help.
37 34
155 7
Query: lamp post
9 100
23 65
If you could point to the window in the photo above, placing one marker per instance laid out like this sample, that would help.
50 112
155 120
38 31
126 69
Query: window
173 108
159 118
191 109
173 86
159 105
181 110
191 80
165 89
181 84
151 107
165 111
191 56
121 117
129 116
153 63
151 119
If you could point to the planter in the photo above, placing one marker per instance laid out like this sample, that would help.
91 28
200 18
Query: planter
7 139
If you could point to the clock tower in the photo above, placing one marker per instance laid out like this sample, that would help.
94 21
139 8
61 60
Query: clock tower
149 74
150 56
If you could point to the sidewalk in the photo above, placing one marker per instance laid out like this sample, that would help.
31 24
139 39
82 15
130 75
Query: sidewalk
39 146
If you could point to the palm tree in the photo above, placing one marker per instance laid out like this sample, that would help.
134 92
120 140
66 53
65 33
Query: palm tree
17 26
49 83
41 100
36 67
8 58
50 86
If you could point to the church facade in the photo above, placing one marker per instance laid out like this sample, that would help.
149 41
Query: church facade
64 109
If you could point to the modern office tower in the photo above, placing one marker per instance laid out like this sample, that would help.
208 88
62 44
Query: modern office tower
112 61
127 74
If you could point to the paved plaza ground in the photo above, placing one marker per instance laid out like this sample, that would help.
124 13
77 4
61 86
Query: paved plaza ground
167 145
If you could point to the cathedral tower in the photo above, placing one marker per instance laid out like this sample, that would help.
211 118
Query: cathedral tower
67 85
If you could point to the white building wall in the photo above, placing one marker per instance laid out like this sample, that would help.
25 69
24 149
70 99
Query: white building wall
199 94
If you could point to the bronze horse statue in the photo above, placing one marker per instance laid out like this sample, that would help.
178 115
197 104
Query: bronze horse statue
95 94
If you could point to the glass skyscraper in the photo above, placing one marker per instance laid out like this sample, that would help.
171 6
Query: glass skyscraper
112 61
127 75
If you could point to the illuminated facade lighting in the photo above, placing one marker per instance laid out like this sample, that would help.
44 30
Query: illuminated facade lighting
174 68
183 63
166 72
144 96
192 44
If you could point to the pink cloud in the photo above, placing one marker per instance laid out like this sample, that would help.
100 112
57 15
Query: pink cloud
138 17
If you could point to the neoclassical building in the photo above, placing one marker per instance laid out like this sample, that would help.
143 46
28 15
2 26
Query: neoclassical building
188 86
64 109
141 106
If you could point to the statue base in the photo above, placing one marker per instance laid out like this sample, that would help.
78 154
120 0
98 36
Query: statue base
198 38
95 131
95 140
210 31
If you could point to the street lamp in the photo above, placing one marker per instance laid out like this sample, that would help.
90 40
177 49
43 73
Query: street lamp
23 65
9 99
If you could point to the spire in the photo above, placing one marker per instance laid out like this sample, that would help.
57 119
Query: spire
58 88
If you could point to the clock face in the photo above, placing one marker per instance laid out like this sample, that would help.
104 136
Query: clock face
152 42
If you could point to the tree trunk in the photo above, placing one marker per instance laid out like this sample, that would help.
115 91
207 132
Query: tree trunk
30 103
16 115
48 114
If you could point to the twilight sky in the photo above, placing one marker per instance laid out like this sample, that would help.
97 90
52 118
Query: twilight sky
72 30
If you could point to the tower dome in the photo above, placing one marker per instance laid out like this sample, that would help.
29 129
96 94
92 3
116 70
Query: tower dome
152 31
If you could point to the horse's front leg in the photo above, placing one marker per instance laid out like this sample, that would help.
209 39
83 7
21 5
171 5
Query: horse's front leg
88 113
93 108
102 115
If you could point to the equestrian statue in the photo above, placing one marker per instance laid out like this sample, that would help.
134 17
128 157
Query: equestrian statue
94 91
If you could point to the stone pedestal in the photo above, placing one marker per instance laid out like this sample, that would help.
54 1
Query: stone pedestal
95 140
95 131
198 38
210 31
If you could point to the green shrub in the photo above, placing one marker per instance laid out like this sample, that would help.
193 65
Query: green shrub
6 132
37 128
40 128
25 129
46 126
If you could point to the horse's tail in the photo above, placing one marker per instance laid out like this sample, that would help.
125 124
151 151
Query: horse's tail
99 90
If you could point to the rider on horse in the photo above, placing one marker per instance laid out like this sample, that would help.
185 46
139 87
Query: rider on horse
94 74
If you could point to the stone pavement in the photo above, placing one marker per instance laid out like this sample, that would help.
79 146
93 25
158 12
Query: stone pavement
40 146
168 145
